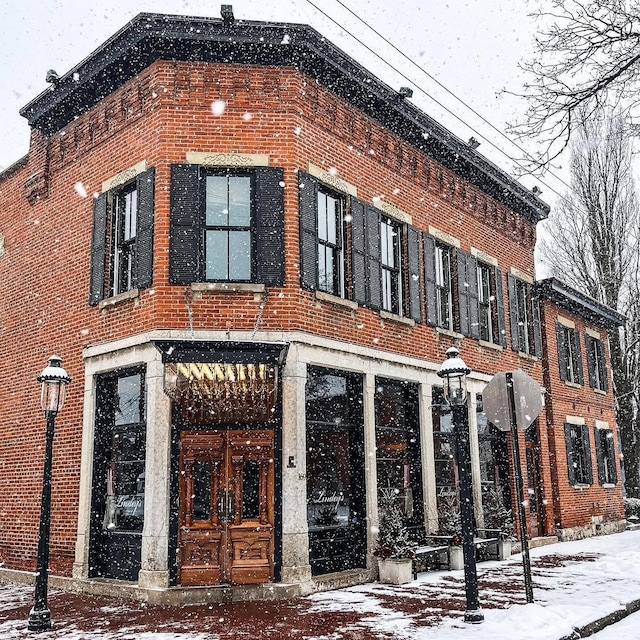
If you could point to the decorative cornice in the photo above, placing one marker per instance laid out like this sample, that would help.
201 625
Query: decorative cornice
578 303
151 37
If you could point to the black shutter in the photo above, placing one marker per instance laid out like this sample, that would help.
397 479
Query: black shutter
591 365
415 279
571 471
588 470
513 312
604 370
576 344
358 251
537 325
308 204
374 257
613 466
468 294
98 249
599 455
463 292
562 351
269 225
429 246
143 267
502 332
184 225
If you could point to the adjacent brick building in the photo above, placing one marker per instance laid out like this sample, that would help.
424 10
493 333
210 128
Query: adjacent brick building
252 256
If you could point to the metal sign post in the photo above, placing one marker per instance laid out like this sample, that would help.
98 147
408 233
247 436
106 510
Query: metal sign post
517 471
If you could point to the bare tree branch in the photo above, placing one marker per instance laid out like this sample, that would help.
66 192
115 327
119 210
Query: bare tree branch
587 53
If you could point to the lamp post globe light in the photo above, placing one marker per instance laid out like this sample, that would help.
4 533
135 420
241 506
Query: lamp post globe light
53 380
453 372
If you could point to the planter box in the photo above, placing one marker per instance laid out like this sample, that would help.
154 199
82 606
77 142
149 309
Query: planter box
456 558
393 571
504 549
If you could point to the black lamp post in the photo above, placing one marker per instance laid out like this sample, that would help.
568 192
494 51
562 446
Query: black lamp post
453 371
54 380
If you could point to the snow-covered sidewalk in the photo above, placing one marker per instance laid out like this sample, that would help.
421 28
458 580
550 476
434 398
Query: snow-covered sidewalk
575 583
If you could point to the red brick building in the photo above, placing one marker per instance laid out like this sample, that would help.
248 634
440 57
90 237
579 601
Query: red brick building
252 256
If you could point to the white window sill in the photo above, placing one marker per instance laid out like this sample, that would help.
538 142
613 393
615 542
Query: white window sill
227 287
608 485
323 296
581 487
490 345
573 385
448 332
394 317
527 356
600 392
121 297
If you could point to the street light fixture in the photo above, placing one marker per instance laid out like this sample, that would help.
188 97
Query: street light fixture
453 372
54 380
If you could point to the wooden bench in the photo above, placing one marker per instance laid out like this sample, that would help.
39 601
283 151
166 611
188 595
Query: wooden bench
431 555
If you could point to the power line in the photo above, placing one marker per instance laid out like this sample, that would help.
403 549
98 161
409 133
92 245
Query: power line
426 93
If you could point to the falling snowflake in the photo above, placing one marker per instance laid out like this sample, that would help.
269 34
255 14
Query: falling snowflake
218 107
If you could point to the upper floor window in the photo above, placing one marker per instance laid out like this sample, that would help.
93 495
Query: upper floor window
487 303
122 238
125 210
226 225
578 454
444 286
391 245
596 363
349 249
569 354
330 242
524 312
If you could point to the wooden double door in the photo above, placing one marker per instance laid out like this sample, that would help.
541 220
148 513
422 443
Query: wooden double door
226 507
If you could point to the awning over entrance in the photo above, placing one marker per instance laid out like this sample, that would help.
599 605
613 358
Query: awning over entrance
222 382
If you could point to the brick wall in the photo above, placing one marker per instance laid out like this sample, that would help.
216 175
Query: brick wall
159 116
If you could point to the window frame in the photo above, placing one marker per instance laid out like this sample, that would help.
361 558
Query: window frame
578 448
444 278
569 354
205 172
524 317
488 307
337 248
597 363
392 275
122 250
606 456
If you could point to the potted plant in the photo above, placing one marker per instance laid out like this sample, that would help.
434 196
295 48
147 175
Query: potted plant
449 524
393 549
499 518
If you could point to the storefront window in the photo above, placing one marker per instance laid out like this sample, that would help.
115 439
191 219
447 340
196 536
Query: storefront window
335 471
398 457
444 451
124 504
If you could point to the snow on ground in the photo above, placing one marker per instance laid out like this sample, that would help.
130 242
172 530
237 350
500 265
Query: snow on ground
564 597
574 583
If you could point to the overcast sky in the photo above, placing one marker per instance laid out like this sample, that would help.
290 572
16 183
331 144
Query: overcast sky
472 47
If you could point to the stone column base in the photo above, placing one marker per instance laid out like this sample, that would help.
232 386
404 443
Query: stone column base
153 579
80 571
296 575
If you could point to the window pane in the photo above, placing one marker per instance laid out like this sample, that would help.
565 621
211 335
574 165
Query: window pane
201 490
250 489
216 207
322 216
332 214
239 201
128 400
217 256
239 255
131 205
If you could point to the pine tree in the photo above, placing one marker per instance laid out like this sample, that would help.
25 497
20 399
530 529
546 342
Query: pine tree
393 537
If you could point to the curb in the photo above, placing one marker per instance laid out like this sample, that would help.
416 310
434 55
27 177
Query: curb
601 623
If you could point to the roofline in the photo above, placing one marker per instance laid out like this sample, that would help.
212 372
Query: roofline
569 298
149 37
